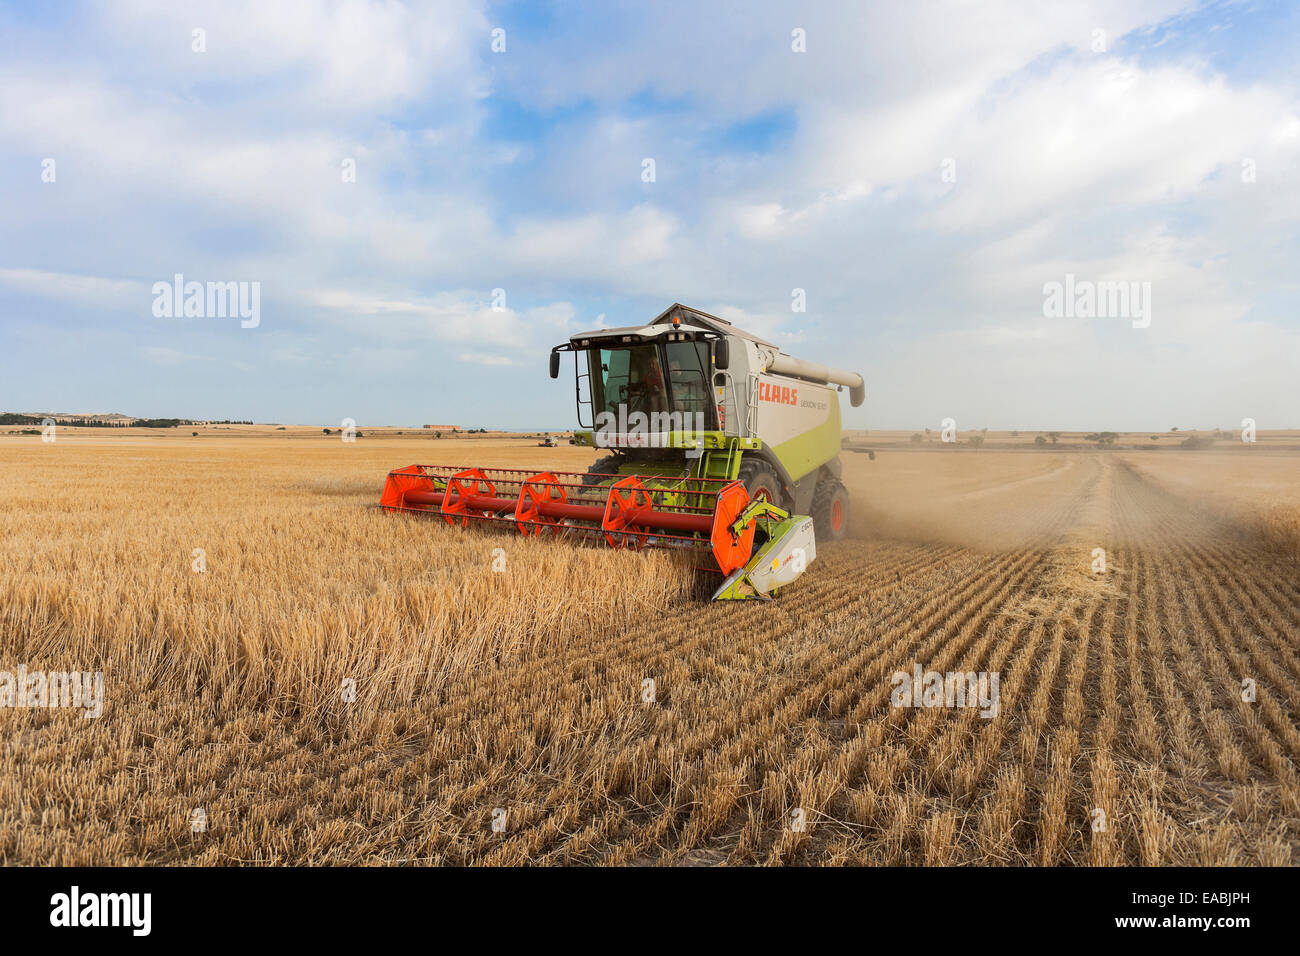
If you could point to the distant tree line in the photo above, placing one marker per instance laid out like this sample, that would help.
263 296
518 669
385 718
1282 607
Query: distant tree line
10 418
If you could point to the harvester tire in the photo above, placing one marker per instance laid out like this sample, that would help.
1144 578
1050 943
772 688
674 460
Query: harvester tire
756 475
830 510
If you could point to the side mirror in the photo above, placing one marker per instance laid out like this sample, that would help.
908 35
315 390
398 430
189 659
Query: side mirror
555 365
721 355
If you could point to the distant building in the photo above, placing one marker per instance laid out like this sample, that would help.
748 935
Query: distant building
444 428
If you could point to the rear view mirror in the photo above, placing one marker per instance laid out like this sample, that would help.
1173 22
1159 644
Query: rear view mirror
721 355
555 365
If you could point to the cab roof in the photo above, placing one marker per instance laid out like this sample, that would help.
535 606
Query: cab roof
692 320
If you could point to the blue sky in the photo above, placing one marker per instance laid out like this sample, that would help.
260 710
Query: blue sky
920 171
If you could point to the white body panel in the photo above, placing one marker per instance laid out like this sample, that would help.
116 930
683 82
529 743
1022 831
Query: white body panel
787 559
788 407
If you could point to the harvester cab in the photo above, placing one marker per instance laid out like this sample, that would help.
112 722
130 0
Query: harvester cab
717 442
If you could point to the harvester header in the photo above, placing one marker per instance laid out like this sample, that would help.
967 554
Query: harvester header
711 516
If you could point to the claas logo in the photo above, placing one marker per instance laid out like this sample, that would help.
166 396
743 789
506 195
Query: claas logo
780 394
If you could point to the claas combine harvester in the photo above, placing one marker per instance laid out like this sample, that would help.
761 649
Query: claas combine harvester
719 442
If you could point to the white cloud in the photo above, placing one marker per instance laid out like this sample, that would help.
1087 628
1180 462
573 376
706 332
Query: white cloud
87 290
486 358
448 317
346 56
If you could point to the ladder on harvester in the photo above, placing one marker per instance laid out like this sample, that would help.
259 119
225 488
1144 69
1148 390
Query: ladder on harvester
717 464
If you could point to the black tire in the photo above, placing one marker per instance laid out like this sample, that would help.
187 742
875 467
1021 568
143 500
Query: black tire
758 474
830 510
608 465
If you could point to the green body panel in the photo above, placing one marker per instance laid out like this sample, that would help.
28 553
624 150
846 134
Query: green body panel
809 451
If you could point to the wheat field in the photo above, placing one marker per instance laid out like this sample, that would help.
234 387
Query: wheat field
500 714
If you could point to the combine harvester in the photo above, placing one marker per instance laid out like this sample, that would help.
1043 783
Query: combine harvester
721 443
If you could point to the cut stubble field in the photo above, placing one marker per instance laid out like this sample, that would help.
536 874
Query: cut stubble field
515 696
